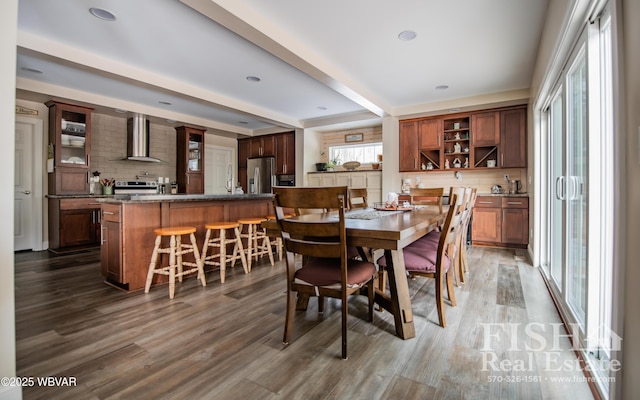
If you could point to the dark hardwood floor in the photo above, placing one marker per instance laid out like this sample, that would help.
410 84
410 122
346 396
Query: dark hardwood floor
225 341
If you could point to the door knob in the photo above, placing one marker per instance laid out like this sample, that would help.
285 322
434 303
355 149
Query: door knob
25 191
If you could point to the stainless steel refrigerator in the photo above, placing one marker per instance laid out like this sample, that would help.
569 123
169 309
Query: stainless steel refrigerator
260 174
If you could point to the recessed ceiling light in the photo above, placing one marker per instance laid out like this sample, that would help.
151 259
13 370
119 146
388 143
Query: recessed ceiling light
102 14
166 103
407 35
454 110
442 87
243 122
120 111
253 79
27 69
322 108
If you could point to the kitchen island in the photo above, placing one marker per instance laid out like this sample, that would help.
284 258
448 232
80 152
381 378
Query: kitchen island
128 222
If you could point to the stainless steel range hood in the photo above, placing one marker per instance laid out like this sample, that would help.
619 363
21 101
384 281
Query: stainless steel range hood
138 139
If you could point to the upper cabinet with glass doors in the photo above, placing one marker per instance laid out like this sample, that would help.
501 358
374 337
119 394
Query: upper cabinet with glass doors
70 146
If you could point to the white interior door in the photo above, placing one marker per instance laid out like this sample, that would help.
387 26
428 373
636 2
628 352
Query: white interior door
23 229
218 168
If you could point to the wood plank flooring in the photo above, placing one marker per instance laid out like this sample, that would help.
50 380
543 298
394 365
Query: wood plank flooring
225 341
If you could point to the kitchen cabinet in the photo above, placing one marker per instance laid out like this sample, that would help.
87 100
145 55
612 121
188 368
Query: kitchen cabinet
243 153
190 160
371 180
430 132
513 138
73 223
262 146
70 148
485 129
111 244
501 221
515 220
409 147
285 154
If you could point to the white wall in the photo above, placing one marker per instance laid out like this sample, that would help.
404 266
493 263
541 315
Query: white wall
8 33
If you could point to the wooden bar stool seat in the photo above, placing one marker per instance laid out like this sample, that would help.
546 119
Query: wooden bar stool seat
175 250
255 233
221 257
277 242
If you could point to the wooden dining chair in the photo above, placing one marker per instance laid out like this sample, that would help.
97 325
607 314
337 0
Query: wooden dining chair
463 198
432 256
464 261
322 241
357 198
427 196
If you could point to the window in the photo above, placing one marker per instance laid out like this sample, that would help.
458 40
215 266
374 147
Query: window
364 153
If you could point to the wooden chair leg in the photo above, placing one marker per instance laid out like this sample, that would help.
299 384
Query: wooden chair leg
290 313
345 315
371 295
196 256
243 258
178 247
440 300
152 264
172 267
450 289
223 254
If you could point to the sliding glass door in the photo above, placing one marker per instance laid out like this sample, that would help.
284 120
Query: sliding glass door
580 178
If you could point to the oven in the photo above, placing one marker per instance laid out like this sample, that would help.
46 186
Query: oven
135 187
286 180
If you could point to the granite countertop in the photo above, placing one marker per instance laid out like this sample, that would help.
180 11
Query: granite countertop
78 196
503 194
140 198
345 170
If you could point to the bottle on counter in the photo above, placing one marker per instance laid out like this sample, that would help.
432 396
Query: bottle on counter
174 187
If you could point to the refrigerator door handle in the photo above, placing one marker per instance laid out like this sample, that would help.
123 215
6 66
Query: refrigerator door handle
256 180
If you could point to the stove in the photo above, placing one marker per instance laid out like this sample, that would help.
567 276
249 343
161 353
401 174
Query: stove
135 187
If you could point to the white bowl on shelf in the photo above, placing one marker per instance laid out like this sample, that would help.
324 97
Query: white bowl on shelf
76 142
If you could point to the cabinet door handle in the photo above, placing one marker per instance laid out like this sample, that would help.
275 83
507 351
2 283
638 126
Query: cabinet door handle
485 202
108 213
501 159
514 202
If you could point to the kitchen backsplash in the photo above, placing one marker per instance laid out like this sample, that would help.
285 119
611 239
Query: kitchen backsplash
109 146
483 180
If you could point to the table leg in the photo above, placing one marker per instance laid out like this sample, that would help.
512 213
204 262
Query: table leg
400 303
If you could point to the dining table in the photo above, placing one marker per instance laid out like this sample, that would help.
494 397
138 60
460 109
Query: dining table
389 231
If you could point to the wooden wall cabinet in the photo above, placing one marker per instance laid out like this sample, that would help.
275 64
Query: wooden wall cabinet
262 146
190 160
73 223
285 154
409 146
501 221
513 138
70 137
470 139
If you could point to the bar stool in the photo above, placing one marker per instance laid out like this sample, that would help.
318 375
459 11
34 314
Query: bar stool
254 234
277 242
175 250
221 242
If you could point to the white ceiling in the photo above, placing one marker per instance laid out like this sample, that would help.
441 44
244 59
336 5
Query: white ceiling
322 64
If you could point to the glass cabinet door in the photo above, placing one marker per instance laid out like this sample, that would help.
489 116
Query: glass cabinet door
195 152
73 138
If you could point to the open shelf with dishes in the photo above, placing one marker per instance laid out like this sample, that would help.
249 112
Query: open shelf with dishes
69 148
190 160
430 159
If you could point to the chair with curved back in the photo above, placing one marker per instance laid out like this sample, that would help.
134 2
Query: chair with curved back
463 198
357 198
432 256
321 241
427 196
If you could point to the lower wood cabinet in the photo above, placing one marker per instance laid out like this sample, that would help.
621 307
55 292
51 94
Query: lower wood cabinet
73 223
111 249
501 221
